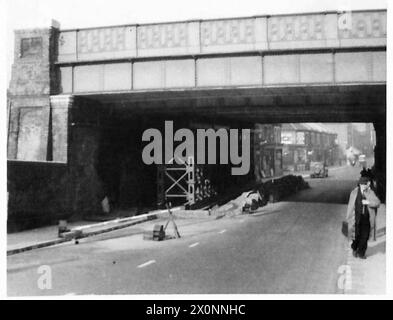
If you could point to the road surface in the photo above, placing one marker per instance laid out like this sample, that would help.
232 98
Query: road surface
294 247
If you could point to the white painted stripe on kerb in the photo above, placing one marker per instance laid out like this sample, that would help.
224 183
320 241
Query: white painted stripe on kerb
193 245
146 263
222 231
121 220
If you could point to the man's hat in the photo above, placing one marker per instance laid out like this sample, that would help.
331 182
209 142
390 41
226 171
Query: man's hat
364 180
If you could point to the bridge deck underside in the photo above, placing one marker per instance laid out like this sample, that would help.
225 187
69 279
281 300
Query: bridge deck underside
347 103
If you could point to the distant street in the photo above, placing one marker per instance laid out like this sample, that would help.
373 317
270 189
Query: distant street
294 247
333 189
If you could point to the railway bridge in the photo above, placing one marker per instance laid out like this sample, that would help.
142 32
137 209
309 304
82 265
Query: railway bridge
79 99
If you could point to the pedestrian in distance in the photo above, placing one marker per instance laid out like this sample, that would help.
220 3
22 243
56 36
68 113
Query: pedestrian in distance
361 213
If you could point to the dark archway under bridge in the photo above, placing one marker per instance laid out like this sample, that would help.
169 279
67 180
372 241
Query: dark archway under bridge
242 106
341 103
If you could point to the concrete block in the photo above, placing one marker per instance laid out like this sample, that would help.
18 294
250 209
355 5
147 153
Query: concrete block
321 62
67 46
280 69
213 72
379 65
117 76
353 66
246 70
66 79
88 78
179 73
148 75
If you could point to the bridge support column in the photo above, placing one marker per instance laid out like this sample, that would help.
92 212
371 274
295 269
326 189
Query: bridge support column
380 158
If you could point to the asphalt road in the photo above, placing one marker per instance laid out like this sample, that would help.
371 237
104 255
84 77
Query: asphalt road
333 189
295 246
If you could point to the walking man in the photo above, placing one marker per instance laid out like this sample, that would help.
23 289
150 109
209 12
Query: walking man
361 213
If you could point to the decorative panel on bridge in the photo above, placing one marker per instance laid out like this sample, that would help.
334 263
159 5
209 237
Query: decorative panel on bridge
232 35
257 51
300 31
97 44
167 39
366 28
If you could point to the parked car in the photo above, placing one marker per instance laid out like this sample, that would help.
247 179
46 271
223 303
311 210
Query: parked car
362 161
319 170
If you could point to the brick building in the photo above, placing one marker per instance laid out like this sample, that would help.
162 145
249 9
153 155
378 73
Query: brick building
307 142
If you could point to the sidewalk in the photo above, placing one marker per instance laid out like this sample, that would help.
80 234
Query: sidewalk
369 276
36 236
47 236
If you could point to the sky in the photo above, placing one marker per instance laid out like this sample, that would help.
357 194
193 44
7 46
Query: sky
21 14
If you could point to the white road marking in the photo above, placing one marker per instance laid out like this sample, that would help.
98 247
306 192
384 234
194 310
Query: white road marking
70 294
193 245
146 263
222 231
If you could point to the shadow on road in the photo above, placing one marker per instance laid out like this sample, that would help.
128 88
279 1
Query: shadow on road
328 190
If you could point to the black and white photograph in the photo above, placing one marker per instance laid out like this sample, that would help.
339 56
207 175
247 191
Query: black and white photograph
195 149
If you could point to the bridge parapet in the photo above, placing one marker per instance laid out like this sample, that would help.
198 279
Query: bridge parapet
260 33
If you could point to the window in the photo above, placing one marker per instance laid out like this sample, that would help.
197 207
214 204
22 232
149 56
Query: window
277 134
300 137
31 47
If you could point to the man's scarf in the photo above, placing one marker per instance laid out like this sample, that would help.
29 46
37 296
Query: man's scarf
359 210
358 207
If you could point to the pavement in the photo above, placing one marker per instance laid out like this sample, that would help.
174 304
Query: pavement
18 242
363 276
293 246
35 237
369 276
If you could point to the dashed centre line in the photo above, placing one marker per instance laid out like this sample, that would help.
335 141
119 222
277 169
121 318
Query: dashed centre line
146 263
193 245
222 231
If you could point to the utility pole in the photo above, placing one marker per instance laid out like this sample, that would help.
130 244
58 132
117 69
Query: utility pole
352 134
